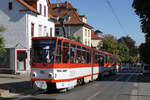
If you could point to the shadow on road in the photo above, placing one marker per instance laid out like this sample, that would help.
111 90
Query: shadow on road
27 99
126 76
16 87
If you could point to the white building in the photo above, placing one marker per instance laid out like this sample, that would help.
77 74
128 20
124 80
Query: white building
23 19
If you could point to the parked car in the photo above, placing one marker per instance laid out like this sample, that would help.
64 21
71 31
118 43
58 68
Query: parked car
146 69
125 67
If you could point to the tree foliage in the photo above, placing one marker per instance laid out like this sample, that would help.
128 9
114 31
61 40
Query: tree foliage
77 39
145 52
2 28
123 47
133 51
110 44
2 45
123 52
142 9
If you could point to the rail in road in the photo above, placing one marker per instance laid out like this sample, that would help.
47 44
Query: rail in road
122 86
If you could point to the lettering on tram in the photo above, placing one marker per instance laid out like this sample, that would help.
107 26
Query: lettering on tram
65 63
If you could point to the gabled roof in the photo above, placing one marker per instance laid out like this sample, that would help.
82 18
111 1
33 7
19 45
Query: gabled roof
62 9
32 5
26 5
94 36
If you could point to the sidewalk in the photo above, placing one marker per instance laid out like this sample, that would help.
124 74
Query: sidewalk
13 85
23 76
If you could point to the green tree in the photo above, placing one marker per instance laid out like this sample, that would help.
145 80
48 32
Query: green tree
133 51
142 9
2 28
145 52
2 45
77 39
123 52
110 44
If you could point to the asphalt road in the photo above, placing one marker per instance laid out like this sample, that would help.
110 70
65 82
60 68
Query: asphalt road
122 86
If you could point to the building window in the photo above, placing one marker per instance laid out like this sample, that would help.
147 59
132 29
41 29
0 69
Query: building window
45 31
85 42
89 33
85 32
44 10
40 9
32 29
40 30
66 18
10 5
57 31
51 31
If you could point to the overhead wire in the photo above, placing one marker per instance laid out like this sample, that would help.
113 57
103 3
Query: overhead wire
115 15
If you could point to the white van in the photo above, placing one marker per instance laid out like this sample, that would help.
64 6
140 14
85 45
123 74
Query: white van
146 69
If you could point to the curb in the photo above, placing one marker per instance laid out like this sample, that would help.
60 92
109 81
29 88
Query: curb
6 93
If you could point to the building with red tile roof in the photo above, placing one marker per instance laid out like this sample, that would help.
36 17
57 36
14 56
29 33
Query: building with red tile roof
96 39
74 24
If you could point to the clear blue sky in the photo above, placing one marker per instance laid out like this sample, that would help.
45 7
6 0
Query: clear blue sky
100 16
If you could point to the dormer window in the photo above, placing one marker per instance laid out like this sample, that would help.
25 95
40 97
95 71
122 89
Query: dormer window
66 18
10 5
40 9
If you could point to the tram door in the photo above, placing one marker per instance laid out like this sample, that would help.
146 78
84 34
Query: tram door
21 60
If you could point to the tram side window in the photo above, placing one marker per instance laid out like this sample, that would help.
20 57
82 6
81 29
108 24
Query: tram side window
88 56
96 58
58 53
101 60
106 59
84 55
78 54
110 59
65 52
72 53
116 60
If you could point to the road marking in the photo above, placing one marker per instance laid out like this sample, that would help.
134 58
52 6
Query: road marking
93 96
118 78
99 92
119 90
135 84
23 97
134 94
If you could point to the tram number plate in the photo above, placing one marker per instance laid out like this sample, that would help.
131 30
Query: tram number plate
41 84
41 72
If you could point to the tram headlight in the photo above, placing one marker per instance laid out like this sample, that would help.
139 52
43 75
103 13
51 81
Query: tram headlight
50 75
33 74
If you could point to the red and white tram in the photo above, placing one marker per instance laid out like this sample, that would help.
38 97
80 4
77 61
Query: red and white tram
58 63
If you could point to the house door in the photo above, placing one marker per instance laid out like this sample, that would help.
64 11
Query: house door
21 60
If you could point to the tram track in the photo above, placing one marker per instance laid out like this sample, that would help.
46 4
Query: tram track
99 88
123 78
